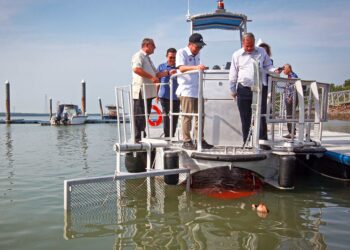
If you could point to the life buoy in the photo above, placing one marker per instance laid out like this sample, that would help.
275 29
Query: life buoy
159 119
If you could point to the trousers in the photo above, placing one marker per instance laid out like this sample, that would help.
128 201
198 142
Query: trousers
166 109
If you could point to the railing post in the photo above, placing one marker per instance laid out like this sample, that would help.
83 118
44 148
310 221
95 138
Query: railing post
131 115
146 109
257 105
299 89
200 111
117 111
171 109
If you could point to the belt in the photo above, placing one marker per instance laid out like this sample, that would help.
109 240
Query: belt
241 85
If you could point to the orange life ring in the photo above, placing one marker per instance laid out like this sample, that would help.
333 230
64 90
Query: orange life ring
159 119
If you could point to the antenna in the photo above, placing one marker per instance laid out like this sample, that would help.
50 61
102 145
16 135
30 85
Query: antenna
188 11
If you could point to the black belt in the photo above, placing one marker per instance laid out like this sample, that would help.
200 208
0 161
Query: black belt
242 86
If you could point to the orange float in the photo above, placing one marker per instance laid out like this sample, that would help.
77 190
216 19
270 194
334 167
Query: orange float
159 119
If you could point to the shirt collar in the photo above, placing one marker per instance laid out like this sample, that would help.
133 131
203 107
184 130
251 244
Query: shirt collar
242 51
169 66
144 53
189 52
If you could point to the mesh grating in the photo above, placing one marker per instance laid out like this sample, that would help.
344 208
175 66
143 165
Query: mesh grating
99 206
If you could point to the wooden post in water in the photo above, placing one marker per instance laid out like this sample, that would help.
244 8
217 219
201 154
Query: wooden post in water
101 109
7 98
83 97
50 109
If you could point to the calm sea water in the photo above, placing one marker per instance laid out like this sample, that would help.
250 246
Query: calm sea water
34 161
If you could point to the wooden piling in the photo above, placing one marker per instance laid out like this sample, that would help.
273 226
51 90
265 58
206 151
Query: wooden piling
83 97
7 98
50 108
101 109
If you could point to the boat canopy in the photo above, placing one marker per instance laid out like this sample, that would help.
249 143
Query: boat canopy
219 20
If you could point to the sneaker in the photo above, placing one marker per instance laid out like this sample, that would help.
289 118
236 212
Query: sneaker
288 136
206 145
189 145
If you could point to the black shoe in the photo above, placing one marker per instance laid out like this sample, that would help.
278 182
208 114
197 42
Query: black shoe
206 145
265 147
288 136
189 145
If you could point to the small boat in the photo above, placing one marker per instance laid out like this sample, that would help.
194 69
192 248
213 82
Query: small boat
68 114
112 112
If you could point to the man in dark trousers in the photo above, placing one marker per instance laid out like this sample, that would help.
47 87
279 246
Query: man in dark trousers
144 73
241 77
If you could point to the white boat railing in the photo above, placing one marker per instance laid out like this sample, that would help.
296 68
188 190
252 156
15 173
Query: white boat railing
309 105
309 109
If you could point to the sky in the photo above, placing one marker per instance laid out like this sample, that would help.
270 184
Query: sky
47 47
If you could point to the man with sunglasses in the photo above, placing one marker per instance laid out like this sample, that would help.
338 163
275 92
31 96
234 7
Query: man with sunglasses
164 92
188 59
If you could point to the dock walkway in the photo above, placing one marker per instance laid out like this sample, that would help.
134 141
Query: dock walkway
336 142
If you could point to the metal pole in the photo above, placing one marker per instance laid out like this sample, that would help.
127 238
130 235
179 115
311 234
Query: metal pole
8 111
123 115
146 109
83 96
101 109
131 116
50 109
171 109
200 112
117 110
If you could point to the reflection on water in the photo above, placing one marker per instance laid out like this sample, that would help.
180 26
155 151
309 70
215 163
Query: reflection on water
72 141
7 163
156 215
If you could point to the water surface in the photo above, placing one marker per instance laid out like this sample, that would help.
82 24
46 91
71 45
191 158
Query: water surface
36 159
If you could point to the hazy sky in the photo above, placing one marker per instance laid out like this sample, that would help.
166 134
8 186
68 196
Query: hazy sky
48 46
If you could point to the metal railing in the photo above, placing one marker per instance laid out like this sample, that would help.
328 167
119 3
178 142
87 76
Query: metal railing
339 97
309 105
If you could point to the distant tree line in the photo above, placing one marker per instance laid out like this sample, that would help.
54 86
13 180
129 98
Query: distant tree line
345 86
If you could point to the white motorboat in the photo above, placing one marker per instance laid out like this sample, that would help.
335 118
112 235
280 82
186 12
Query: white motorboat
68 114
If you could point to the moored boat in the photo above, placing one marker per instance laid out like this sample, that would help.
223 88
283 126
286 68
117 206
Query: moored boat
68 114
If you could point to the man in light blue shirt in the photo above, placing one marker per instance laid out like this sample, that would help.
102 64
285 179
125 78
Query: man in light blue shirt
241 77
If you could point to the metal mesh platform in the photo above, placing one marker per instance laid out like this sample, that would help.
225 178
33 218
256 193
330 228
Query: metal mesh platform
96 206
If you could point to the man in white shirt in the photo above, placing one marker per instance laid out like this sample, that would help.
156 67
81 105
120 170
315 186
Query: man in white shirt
144 73
188 59
241 77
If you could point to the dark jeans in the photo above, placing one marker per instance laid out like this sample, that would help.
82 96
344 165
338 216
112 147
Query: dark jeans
263 124
139 113
166 109
289 111
244 102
